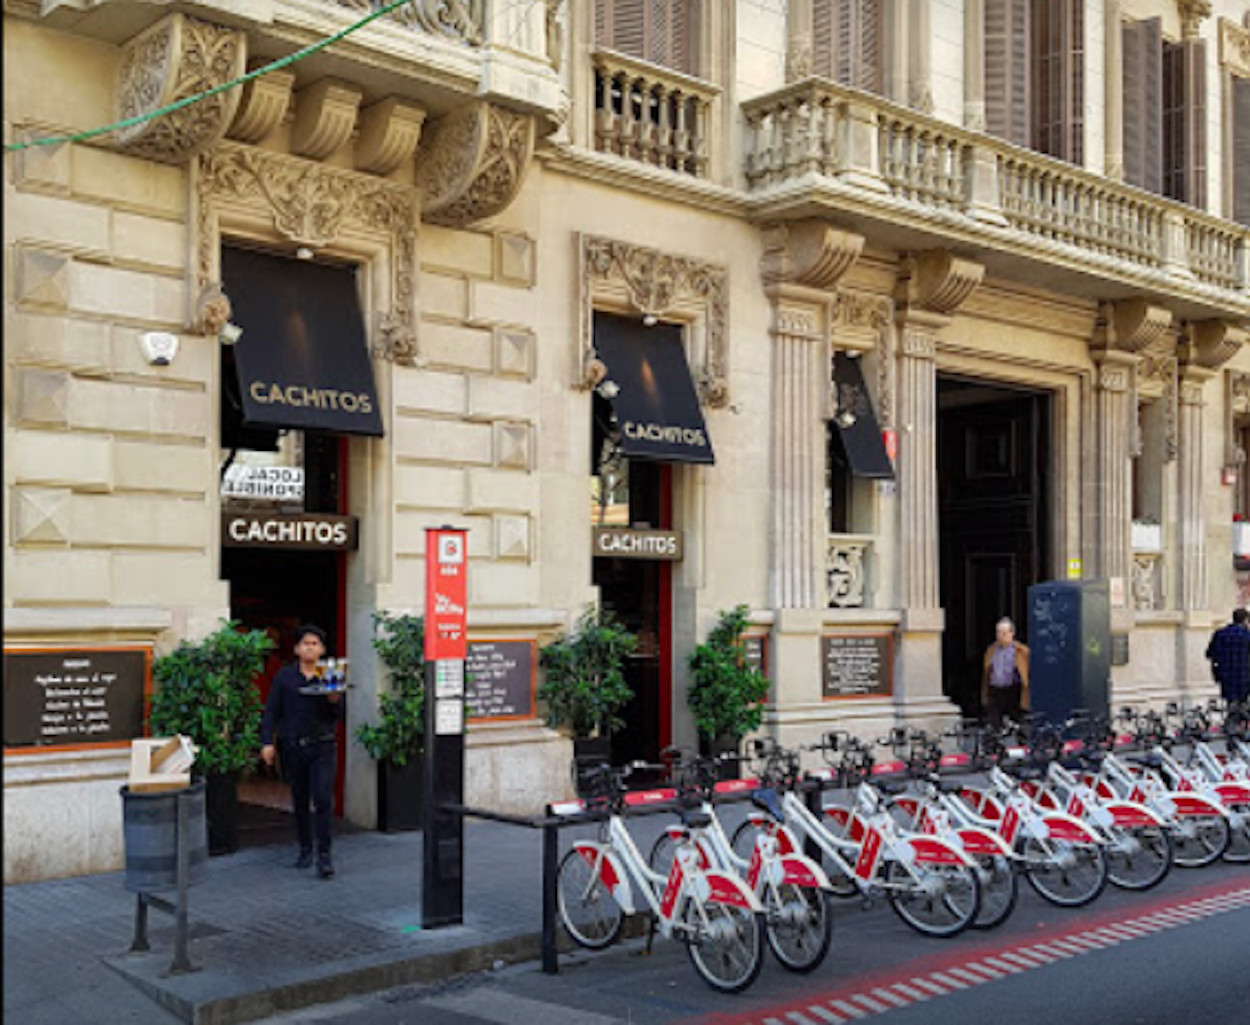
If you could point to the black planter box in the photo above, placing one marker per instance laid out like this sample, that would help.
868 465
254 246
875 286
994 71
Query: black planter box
399 795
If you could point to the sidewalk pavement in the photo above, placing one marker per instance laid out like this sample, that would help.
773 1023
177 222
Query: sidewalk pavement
267 938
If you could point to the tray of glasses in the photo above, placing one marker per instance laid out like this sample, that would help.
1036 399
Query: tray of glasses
326 688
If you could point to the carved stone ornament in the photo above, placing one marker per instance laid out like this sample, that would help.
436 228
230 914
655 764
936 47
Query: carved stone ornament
1211 343
654 284
1193 13
1236 415
472 162
799 58
213 311
864 321
312 205
176 58
1130 326
1145 586
461 20
1158 372
808 253
936 281
1235 47
555 34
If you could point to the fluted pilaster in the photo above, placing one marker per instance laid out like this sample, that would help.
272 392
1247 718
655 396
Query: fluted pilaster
1192 566
1114 415
917 399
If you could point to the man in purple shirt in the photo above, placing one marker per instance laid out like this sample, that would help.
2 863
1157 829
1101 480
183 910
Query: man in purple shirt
305 725
1005 679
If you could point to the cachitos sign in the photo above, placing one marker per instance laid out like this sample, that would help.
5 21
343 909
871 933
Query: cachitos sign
305 532
627 543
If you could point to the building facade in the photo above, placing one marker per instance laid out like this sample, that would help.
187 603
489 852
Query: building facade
932 300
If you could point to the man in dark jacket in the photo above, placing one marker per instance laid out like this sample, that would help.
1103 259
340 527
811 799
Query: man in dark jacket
305 725
1229 652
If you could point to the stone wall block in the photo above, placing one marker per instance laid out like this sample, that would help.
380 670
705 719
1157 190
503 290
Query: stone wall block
129 182
429 487
179 578
126 294
443 441
444 295
139 520
455 347
41 516
490 303
114 406
448 249
147 466
43 278
512 537
42 168
196 362
149 240
61 577
410 533
429 391
515 351
513 445
83 462
56 221
516 259
80 345
514 584
494 490
43 397
495 398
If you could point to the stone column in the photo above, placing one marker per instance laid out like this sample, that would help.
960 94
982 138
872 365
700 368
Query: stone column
1113 79
931 287
801 267
974 65
799 41
920 85
1125 330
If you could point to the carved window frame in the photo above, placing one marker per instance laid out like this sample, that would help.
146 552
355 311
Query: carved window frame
620 277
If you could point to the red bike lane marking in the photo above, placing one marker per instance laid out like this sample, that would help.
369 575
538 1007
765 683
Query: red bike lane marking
940 974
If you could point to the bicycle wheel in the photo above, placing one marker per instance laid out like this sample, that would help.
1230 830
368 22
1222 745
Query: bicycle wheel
660 861
588 910
800 926
936 900
743 840
725 944
1067 874
1239 834
1139 856
1000 887
1198 840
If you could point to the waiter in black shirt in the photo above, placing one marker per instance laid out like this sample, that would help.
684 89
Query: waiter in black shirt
305 725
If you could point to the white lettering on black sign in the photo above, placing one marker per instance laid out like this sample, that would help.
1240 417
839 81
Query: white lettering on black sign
857 665
626 543
310 532
499 679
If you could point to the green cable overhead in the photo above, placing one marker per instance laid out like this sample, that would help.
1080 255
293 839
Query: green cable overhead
186 101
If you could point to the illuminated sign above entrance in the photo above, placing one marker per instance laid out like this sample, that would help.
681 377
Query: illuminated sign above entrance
627 543
306 532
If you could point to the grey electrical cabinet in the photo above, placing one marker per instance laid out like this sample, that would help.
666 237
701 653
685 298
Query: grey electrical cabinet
1069 647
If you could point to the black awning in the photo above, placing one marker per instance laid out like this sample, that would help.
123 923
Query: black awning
654 399
302 358
857 422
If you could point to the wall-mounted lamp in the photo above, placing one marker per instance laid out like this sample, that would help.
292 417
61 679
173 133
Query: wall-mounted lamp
846 419
649 320
304 253
230 334
608 389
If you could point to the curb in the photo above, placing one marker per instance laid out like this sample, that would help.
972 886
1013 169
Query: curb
330 988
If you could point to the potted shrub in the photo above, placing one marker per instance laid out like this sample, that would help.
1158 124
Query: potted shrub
584 686
727 693
397 741
207 692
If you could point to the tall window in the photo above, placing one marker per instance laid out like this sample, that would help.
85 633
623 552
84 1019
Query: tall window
1164 113
664 32
1035 74
846 42
1241 149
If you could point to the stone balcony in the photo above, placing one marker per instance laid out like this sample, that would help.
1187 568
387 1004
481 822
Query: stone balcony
914 182
434 53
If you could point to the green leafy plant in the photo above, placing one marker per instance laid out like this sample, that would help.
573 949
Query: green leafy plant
206 691
399 734
726 693
584 681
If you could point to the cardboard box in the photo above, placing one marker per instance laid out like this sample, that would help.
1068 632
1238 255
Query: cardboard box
160 763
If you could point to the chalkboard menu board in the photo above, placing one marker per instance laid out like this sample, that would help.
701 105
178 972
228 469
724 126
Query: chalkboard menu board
73 696
499 680
755 647
857 665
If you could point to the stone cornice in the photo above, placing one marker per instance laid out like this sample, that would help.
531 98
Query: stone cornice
1130 327
812 254
933 284
1209 344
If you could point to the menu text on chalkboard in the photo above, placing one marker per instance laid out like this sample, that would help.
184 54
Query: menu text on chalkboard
499 680
857 665
73 696
755 651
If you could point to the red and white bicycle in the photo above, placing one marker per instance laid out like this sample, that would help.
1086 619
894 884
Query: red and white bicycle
712 912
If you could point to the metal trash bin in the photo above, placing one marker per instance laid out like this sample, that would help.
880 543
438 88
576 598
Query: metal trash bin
150 833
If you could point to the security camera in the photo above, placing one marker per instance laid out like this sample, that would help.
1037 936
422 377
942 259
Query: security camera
159 347
230 334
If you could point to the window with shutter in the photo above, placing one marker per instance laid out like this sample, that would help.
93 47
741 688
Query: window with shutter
1007 85
1173 75
846 42
660 31
1143 104
1241 150
1057 54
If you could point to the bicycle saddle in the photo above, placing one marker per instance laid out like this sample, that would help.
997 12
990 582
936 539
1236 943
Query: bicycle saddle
891 787
767 800
695 818
948 786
